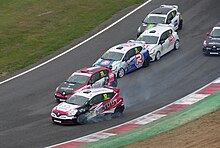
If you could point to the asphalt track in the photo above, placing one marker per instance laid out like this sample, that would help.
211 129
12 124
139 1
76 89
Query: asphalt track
26 102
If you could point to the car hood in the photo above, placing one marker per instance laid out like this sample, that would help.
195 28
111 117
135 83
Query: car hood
68 88
213 41
144 26
107 63
65 108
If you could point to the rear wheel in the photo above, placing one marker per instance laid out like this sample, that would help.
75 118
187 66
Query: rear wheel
121 73
180 26
118 111
146 62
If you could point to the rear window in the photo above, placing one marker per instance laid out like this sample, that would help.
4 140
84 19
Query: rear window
148 39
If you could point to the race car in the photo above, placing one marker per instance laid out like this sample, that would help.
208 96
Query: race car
92 77
125 58
159 40
165 14
211 45
88 105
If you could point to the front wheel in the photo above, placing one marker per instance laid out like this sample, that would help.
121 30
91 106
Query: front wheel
176 45
121 73
157 56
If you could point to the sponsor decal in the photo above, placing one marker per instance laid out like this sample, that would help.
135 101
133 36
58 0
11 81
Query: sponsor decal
105 62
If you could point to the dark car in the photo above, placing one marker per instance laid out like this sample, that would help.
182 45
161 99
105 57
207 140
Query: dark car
93 77
211 45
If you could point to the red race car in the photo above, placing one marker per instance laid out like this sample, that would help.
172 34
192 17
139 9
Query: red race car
89 105
93 77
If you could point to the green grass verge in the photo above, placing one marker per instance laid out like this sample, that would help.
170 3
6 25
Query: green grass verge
33 29
172 121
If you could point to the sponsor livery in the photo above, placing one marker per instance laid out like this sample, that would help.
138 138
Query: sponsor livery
159 40
93 77
86 105
211 45
165 14
125 58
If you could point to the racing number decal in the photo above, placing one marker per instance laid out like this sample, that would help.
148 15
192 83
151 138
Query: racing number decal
102 73
139 60
105 96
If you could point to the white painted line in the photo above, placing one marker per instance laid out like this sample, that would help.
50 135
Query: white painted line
94 137
147 119
83 42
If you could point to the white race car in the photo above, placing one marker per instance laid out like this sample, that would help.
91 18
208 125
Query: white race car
125 58
160 40
165 14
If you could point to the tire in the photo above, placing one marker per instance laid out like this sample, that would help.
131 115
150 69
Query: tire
82 119
157 56
146 62
176 45
114 83
118 111
180 26
121 73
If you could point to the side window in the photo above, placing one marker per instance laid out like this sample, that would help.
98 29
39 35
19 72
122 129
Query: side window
174 13
169 18
169 32
95 78
104 73
137 49
129 54
163 36
97 99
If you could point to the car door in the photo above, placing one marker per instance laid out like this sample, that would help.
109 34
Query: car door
130 60
97 80
172 18
171 40
96 106
164 43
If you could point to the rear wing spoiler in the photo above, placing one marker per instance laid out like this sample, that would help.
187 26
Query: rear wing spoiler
169 6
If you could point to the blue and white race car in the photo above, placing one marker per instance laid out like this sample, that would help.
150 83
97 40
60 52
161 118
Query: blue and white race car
125 58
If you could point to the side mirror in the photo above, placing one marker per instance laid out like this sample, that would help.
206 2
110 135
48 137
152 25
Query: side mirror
117 89
208 33
161 42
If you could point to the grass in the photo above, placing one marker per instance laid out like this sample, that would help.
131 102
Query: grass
33 29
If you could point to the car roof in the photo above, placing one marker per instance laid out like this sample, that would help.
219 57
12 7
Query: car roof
157 30
161 10
89 71
217 25
124 47
90 93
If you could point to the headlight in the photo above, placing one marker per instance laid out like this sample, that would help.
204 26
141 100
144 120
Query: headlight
82 110
139 29
205 43
72 113
152 51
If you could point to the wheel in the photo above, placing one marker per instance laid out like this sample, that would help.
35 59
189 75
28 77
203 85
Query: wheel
157 56
82 119
121 73
176 45
146 62
180 26
118 111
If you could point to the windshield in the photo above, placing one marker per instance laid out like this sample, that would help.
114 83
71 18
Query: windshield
79 79
154 20
77 100
115 56
148 39
215 33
